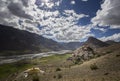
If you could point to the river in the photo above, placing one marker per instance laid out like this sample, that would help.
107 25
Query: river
15 58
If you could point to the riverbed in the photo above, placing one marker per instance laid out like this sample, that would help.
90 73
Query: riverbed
15 58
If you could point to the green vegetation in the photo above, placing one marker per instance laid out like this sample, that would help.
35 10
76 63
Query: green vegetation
93 67
56 57
59 76
109 52
13 68
97 55
35 78
52 59
58 69
77 60
117 55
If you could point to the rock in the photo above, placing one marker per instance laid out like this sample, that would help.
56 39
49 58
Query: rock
84 52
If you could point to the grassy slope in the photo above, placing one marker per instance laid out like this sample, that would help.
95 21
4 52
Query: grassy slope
9 70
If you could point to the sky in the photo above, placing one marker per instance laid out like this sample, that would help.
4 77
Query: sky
64 20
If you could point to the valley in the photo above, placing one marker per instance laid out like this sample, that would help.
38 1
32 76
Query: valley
59 40
15 58
105 67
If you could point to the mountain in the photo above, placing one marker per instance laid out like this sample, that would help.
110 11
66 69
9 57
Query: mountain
111 42
91 42
20 41
95 43
88 49
72 45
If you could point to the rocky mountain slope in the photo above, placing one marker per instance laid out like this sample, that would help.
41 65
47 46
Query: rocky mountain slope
111 42
95 43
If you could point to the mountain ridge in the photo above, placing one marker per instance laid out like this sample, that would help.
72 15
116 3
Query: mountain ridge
12 39
95 43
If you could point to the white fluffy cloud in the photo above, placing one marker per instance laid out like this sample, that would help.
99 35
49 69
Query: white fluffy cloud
72 33
65 28
109 14
28 15
12 11
115 37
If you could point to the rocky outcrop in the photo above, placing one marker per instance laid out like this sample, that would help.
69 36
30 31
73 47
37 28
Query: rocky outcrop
84 53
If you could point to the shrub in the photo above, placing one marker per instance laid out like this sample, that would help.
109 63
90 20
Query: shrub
97 55
58 69
54 76
117 55
35 79
93 67
59 76
109 52
77 60
106 73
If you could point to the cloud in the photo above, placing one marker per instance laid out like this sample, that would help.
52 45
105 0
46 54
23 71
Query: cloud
115 37
70 34
31 15
48 4
108 15
100 29
25 2
17 9
85 0
11 12
65 26
73 2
